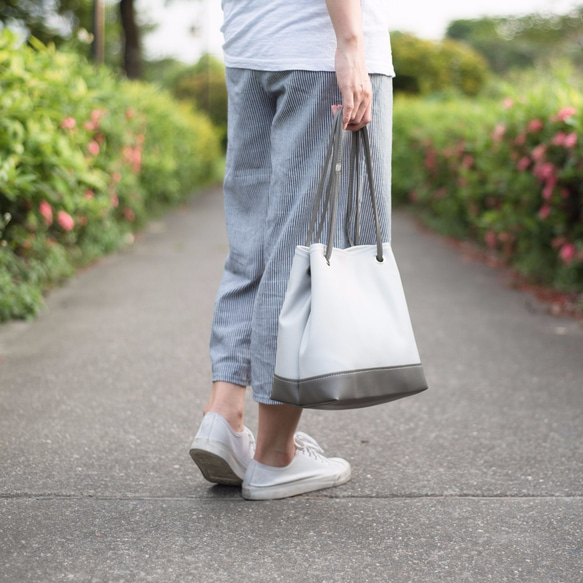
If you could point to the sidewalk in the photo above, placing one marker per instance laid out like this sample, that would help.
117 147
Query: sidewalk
478 479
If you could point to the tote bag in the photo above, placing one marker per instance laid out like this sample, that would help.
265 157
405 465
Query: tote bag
345 338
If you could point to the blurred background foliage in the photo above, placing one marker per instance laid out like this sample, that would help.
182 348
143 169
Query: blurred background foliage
86 158
488 139
425 67
533 40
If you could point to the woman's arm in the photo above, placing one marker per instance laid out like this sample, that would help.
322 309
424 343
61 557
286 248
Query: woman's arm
350 64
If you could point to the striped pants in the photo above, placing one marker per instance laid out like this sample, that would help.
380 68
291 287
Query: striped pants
278 129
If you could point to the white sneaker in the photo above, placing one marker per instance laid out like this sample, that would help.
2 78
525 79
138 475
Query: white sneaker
308 471
221 453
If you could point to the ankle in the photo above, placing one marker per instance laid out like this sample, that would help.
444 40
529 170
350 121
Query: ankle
232 417
275 458
228 401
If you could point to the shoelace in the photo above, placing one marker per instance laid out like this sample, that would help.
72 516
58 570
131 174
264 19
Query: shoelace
251 440
308 444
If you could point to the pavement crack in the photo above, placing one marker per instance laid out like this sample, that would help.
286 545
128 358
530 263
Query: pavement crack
41 496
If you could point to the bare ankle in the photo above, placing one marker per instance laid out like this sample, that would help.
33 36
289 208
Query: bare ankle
228 401
233 418
275 459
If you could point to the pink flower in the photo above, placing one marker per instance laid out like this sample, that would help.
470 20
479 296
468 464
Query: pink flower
467 161
46 211
534 126
129 214
89 126
523 164
93 148
508 103
549 188
430 159
96 116
544 171
68 123
544 212
130 113
116 177
565 113
520 140
137 160
65 220
133 156
567 253
539 152
490 239
559 139
499 132
114 200
570 140
565 193
89 194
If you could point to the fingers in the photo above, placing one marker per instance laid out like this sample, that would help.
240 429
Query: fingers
361 112
357 106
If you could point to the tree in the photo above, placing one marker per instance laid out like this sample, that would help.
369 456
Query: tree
48 20
524 41
132 47
61 21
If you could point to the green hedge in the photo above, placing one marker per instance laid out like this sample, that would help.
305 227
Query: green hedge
507 173
425 66
85 159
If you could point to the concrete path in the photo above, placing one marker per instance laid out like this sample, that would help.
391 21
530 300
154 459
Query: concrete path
478 479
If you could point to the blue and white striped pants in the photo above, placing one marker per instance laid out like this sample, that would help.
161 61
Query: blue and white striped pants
278 129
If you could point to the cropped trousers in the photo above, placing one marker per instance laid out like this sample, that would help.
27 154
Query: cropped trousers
278 129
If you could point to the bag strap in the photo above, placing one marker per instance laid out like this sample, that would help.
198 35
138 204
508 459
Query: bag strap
354 193
373 196
330 172
330 183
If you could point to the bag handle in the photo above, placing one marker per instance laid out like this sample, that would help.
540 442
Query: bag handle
354 193
331 173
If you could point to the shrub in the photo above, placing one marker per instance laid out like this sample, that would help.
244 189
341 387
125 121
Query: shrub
204 85
508 175
425 66
84 160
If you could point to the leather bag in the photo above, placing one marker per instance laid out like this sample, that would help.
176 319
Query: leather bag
345 338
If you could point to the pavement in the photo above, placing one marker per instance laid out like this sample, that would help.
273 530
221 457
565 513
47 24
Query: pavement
480 478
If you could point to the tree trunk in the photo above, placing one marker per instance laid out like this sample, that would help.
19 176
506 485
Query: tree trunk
132 48
98 48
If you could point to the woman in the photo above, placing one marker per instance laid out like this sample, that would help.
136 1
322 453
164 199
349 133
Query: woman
287 64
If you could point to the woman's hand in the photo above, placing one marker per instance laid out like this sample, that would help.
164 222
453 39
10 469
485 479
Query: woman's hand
350 63
355 87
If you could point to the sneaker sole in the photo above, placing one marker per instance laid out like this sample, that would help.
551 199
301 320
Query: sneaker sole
213 461
295 488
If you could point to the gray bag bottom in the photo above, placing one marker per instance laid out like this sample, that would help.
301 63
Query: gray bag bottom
352 389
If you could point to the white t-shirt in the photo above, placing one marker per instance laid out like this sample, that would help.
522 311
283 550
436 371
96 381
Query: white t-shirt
282 35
